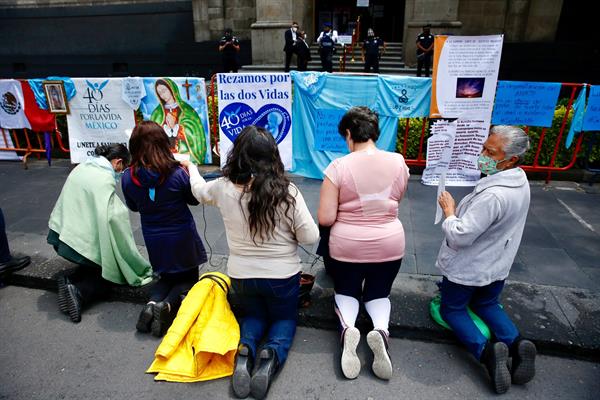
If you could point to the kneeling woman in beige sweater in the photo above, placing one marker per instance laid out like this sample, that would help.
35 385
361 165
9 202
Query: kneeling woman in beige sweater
265 218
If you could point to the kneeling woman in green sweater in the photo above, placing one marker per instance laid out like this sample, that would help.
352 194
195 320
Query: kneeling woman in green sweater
90 227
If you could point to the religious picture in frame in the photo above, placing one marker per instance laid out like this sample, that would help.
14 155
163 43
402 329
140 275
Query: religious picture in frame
56 97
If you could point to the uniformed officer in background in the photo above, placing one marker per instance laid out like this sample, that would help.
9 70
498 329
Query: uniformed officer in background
327 40
424 50
370 51
229 47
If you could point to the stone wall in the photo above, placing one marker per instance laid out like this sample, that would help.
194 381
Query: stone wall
70 3
524 21
520 20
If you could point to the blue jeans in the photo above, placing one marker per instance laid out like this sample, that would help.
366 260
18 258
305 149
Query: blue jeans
268 306
4 251
484 302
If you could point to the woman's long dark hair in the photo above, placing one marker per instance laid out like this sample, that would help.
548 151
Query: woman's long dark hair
255 163
149 147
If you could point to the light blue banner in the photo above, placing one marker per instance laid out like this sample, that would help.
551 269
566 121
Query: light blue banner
577 120
179 106
525 103
331 94
591 118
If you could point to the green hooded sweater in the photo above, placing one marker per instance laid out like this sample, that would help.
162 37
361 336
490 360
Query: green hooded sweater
90 218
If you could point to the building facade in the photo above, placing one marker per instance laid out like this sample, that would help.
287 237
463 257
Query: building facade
100 37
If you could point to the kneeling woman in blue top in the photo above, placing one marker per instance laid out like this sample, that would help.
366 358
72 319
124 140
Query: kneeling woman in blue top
265 218
159 189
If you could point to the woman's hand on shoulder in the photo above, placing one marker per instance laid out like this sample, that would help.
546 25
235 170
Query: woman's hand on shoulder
185 163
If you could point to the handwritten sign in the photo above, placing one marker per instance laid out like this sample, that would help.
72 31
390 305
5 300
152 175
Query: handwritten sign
591 119
525 103
327 137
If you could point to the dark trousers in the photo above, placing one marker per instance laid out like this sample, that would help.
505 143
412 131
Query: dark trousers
484 302
90 284
363 281
230 64
302 63
327 60
372 61
171 287
269 306
4 251
288 59
423 62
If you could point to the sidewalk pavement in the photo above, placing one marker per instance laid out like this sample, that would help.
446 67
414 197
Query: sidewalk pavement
553 291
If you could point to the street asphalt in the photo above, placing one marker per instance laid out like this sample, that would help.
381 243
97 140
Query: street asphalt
553 291
45 356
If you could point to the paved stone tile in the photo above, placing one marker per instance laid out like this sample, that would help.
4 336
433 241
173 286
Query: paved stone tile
553 267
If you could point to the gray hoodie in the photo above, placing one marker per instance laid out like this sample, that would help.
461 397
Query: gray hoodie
482 240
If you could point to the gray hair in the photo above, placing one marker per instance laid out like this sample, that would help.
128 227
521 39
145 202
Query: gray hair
516 141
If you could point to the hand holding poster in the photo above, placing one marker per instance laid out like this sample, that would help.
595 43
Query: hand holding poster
465 73
263 100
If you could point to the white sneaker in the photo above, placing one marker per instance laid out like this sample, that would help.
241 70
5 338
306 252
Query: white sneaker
350 361
382 364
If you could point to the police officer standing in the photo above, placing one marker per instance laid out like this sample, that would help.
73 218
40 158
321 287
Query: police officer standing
229 47
424 50
327 40
370 51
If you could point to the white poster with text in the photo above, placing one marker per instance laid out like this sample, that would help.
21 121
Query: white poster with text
99 115
465 73
454 147
260 99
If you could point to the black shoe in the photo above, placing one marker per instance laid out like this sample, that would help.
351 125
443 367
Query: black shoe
523 361
163 317
241 372
145 319
495 358
62 282
13 265
263 374
74 302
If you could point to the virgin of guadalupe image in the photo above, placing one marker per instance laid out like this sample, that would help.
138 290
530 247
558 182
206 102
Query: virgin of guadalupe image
179 120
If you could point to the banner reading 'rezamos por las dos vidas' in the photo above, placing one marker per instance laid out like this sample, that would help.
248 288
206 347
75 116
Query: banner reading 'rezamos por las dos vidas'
179 106
98 116
261 99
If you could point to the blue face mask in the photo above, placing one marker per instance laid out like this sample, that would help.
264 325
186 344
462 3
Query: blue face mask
118 175
488 165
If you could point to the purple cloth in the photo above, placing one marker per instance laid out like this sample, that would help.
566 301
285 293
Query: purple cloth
168 226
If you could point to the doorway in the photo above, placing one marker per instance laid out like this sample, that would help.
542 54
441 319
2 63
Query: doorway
386 17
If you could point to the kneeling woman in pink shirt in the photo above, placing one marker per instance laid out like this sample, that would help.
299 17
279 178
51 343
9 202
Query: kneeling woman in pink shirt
359 200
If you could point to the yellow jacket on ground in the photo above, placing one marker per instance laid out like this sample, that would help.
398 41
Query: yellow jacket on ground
202 342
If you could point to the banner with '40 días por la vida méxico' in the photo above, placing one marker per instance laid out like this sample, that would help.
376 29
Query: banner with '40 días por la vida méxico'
260 99
98 116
